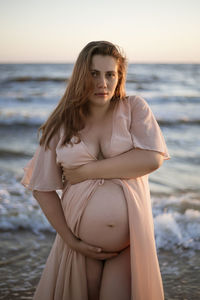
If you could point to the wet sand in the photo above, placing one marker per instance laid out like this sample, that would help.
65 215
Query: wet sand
23 255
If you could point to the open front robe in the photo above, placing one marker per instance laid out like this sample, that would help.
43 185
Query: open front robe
64 276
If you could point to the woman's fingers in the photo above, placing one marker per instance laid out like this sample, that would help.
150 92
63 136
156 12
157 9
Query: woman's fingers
94 249
73 175
98 253
93 252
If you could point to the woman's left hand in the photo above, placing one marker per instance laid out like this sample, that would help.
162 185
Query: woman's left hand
75 175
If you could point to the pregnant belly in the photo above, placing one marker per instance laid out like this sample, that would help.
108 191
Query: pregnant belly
104 222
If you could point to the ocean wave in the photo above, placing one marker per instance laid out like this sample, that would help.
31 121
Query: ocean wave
37 79
144 79
6 153
24 119
164 99
177 222
6 124
185 121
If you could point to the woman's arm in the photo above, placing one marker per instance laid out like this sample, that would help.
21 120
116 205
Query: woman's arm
51 207
132 164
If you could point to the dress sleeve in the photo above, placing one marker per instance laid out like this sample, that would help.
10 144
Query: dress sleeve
43 173
145 131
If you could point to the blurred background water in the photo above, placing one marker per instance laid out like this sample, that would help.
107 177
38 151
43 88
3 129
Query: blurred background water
29 92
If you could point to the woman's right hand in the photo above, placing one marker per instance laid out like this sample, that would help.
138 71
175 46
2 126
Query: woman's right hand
92 251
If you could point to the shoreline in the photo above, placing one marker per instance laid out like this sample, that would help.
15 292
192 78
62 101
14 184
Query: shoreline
23 256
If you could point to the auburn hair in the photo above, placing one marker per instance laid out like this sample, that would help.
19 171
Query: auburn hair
73 108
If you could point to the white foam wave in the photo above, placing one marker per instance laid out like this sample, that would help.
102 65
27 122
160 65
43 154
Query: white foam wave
19 210
177 222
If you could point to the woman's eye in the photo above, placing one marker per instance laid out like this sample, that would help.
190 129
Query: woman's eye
94 74
112 75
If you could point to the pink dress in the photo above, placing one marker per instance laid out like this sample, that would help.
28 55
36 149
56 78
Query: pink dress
64 276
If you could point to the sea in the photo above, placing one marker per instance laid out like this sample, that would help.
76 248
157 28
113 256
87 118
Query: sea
28 93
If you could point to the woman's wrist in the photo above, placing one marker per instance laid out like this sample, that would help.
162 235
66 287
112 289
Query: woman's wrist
72 242
89 171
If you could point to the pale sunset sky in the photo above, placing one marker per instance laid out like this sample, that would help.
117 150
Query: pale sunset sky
57 30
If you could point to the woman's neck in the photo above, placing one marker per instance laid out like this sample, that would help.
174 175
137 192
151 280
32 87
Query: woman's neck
98 113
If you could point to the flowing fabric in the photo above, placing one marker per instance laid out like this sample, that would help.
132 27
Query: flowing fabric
64 276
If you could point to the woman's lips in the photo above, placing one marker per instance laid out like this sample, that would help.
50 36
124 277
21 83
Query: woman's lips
101 94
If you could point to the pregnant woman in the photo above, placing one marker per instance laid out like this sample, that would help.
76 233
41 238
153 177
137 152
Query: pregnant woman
98 146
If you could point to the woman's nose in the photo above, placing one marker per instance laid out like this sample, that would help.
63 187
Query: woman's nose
102 82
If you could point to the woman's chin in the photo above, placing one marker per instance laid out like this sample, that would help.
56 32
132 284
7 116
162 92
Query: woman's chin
100 100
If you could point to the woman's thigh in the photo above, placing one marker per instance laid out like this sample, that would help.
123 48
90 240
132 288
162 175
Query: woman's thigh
94 270
116 277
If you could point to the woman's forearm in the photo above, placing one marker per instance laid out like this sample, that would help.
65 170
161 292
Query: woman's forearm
132 164
51 206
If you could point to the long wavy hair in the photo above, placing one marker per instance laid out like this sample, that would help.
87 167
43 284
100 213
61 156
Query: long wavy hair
73 108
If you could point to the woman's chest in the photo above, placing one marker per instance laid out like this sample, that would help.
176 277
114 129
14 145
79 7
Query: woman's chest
97 138
101 140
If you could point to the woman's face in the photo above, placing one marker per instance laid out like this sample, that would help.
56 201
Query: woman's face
104 70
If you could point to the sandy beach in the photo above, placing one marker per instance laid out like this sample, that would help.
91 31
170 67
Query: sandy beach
23 255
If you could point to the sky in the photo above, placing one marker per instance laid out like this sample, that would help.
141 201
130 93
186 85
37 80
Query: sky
148 31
